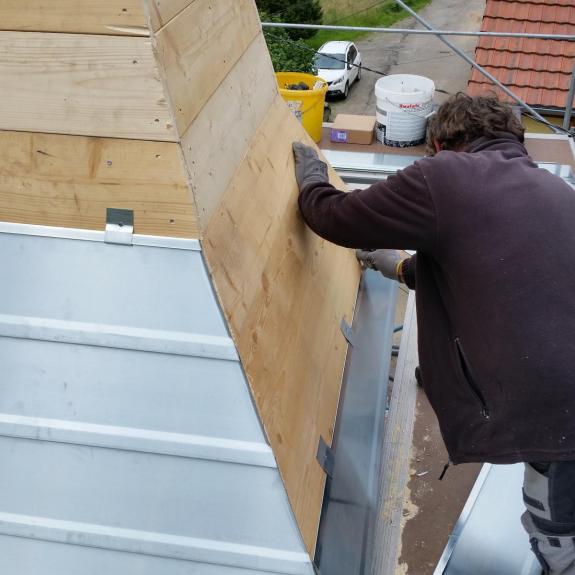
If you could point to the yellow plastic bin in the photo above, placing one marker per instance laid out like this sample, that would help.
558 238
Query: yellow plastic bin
306 105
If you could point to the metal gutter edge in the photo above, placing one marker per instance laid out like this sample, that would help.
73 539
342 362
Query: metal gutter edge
97 236
118 337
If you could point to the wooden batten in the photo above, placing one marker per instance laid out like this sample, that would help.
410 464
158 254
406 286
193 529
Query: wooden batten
284 292
112 17
69 181
107 86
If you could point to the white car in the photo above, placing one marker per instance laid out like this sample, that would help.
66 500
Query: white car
339 64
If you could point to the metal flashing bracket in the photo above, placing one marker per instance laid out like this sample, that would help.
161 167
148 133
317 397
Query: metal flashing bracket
119 227
325 457
347 331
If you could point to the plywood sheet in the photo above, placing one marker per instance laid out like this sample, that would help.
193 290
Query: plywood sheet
82 84
69 181
284 292
199 48
78 16
231 118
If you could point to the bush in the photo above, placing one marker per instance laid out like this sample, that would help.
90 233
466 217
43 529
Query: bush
293 11
288 55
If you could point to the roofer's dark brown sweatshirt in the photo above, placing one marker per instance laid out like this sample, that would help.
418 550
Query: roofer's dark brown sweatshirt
495 275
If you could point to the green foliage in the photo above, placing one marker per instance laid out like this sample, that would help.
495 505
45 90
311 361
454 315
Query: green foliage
288 55
298 11
383 16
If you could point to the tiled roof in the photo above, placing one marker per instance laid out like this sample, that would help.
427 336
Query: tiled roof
539 71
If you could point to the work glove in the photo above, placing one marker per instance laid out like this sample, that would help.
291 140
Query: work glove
384 261
309 169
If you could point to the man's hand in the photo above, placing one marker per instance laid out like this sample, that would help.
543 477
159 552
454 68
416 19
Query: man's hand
384 261
309 169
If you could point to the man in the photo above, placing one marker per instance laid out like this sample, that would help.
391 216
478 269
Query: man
495 277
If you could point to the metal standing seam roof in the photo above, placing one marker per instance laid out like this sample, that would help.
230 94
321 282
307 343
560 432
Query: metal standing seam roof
538 71
128 438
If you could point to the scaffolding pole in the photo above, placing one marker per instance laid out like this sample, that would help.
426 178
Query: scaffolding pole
567 37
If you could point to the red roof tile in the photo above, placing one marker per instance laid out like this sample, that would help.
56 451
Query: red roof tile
539 71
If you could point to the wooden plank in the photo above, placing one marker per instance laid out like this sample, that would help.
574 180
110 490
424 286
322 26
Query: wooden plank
122 17
69 181
198 49
284 292
162 11
396 449
231 118
81 84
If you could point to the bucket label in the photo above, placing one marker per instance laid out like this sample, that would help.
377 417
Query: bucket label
296 109
406 122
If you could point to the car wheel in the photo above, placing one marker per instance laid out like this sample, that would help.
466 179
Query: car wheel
358 73
346 91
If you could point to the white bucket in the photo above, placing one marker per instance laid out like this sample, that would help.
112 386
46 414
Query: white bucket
404 102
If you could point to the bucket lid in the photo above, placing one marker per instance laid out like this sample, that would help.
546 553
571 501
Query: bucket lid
404 85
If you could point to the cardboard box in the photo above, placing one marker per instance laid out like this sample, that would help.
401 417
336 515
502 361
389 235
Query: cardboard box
349 129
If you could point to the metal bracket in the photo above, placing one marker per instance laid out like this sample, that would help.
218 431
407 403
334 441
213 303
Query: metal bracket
347 332
119 227
325 457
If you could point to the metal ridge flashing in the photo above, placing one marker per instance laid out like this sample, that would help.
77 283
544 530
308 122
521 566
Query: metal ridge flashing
97 236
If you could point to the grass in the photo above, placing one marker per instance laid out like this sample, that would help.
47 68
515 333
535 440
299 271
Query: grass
381 16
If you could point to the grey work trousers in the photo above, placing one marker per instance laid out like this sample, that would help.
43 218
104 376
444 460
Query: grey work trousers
549 495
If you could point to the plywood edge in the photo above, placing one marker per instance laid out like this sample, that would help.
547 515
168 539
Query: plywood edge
284 292
69 181
198 49
111 17
162 12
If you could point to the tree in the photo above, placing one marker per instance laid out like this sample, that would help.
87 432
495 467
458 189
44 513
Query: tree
293 11
288 55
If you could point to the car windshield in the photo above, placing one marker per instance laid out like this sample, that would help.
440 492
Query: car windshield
330 62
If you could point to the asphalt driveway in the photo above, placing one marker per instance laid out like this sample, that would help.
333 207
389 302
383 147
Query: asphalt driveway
417 54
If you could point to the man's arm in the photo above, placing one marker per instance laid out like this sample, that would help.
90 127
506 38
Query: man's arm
396 213
390 264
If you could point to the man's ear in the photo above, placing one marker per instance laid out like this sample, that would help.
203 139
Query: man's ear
437 146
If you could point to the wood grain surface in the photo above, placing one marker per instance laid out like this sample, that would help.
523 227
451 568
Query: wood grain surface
80 84
69 181
284 292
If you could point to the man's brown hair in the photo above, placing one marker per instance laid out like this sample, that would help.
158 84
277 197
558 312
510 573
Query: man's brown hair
463 119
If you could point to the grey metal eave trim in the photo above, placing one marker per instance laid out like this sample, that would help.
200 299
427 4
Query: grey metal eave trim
465 513
97 236
155 544
140 440
118 337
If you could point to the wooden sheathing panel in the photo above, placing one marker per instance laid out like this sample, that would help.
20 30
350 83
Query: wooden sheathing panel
162 11
69 181
123 17
198 49
284 292
230 118
80 84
